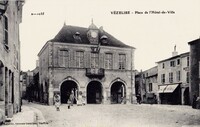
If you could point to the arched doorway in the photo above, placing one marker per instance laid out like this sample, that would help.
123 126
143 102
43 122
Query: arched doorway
186 96
94 93
66 88
118 92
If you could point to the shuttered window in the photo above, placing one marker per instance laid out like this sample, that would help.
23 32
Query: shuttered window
94 60
80 59
108 61
64 58
122 61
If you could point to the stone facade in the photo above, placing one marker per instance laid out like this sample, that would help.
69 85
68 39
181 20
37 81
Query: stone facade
10 18
90 62
173 79
194 69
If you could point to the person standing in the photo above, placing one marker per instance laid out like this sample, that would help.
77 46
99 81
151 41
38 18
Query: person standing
71 99
138 98
194 103
57 101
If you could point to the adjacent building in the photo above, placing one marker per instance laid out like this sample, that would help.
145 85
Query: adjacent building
10 18
146 85
173 79
91 63
30 85
194 86
151 86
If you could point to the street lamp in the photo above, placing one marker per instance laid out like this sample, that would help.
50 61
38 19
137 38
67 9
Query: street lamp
3 6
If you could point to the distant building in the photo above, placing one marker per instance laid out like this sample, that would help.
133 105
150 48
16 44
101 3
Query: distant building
173 79
139 84
194 69
151 86
23 82
30 85
146 85
91 63
35 87
10 18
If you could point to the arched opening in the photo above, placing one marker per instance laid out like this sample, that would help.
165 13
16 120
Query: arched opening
186 96
118 93
94 93
66 88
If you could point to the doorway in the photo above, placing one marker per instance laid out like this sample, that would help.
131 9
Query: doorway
94 93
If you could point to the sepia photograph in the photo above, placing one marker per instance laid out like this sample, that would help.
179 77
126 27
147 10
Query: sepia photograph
99 63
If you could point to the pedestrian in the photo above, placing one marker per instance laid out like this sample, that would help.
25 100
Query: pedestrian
138 98
198 103
57 101
71 99
194 101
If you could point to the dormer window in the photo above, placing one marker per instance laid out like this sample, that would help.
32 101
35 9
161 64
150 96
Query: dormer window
104 39
77 38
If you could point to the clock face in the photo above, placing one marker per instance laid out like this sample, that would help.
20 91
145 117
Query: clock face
93 34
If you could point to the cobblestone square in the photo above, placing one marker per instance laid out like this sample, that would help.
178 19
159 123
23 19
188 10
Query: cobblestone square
135 115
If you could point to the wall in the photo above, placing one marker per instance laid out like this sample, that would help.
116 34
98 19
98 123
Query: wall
10 58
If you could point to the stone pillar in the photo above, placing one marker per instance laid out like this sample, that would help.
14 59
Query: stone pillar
104 96
6 91
132 96
182 95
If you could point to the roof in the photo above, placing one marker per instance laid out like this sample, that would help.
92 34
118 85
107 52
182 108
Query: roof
65 35
194 41
173 57
151 72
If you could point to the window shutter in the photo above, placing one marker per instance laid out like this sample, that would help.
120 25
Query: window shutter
87 59
101 60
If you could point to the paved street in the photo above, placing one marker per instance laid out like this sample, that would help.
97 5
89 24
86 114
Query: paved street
120 115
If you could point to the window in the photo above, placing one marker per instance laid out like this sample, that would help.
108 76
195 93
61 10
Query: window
171 77
5 24
163 78
94 60
108 61
172 63
178 61
187 77
178 76
63 58
150 87
80 59
188 61
122 61
163 65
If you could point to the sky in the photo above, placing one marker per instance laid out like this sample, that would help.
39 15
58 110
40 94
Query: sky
154 35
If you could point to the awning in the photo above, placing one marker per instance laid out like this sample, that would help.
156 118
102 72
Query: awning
167 88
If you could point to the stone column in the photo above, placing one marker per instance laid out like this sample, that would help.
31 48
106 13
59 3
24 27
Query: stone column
182 95
6 91
104 96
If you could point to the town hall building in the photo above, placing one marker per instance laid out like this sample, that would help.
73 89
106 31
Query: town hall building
91 63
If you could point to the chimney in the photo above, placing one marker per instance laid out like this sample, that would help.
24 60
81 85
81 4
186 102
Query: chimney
174 53
101 29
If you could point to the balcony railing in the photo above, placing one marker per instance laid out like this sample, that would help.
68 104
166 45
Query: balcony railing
95 72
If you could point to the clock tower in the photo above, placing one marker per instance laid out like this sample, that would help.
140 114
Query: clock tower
93 34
